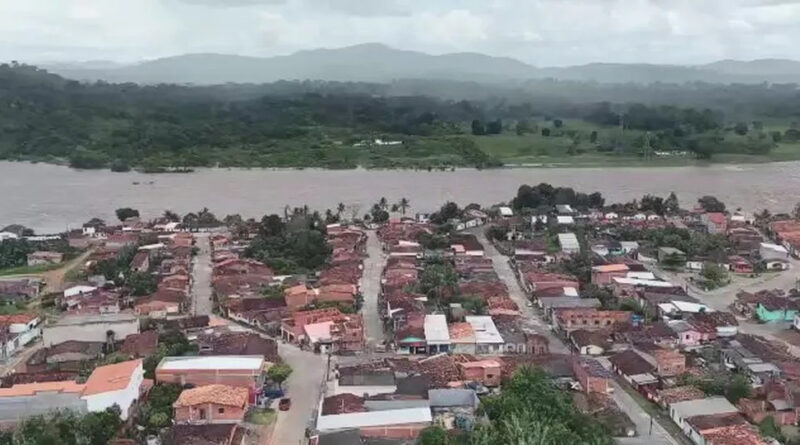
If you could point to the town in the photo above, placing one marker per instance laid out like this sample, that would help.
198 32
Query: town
554 315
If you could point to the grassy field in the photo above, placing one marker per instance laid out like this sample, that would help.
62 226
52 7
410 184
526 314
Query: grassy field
571 146
28 270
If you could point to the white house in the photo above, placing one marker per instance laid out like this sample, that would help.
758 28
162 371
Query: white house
680 411
78 290
437 335
118 384
487 338
505 212
23 327
569 243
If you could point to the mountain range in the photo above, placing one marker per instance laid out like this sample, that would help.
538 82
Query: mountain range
372 62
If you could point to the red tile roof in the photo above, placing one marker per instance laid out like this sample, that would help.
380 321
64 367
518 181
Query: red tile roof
111 377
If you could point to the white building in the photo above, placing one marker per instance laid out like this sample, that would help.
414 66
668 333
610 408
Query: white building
23 329
437 335
487 338
118 384
79 289
7 235
506 212
770 251
374 419
565 220
681 411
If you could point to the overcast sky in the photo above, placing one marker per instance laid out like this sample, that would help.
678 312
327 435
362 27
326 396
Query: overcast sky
541 32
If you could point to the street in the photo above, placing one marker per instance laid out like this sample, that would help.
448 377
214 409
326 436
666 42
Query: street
370 289
303 387
516 293
202 303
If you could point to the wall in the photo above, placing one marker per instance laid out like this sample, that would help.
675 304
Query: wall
383 405
394 432
191 414
124 398
208 377
14 408
55 334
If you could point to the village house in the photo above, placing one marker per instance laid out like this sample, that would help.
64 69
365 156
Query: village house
591 375
715 222
140 262
680 412
120 384
160 304
603 274
94 327
437 336
773 309
567 319
22 401
487 338
68 355
486 372
589 342
634 368
211 404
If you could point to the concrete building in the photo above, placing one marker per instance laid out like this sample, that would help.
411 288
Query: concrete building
95 327
487 338
681 411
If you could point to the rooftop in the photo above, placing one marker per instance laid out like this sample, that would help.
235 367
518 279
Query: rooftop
212 362
436 331
29 389
111 377
703 407
216 394
374 418
484 329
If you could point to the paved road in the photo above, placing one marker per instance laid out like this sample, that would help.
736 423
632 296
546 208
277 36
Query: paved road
503 269
639 417
370 288
202 304
626 403
303 387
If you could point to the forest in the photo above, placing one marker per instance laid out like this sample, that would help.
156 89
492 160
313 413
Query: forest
44 117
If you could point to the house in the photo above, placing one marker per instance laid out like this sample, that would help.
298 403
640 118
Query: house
739 264
505 212
671 255
536 344
715 222
487 338
69 355
140 345
591 375
462 338
634 368
688 334
21 289
119 384
224 342
32 399
701 426
570 319
365 381
724 323
565 220
140 262
589 342
680 412
770 251
569 243
233 370
211 404
437 335
21 329
772 309
735 435
94 327
486 372
604 274
43 257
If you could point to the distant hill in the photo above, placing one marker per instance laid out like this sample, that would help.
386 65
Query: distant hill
372 62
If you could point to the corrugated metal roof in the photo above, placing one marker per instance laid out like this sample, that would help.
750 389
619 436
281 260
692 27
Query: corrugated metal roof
253 362
374 418
484 328
436 331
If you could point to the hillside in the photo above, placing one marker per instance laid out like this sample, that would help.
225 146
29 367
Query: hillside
373 62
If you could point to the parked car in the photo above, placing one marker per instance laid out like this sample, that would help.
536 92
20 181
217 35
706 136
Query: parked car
285 404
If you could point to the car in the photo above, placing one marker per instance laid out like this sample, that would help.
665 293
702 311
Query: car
285 404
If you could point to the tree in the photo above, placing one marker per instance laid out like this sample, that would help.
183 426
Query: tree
558 123
545 132
477 128
438 281
593 137
171 216
404 203
383 203
126 212
279 373
711 204
714 274
738 388
740 128
340 208
522 127
433 435
100 427
141 283
671 205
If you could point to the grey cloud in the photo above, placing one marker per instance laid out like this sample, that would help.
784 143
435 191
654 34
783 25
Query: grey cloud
230 3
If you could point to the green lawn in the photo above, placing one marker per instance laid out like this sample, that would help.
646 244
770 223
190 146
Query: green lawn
570 145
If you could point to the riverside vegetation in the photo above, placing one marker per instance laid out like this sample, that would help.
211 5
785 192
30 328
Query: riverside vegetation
344 125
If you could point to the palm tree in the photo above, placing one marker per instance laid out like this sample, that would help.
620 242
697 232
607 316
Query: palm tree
383 203
340 209
404 204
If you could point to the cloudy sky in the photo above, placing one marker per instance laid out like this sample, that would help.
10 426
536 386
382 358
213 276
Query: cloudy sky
541 32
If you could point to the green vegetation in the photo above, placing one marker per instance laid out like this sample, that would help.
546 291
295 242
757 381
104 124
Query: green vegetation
279 372
293 247
65 427
343 125
14 255
156 413
531 409
733 387
260 416
172 343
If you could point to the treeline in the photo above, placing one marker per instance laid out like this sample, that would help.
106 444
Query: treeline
319 124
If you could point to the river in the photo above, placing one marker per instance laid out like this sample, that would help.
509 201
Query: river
51 198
